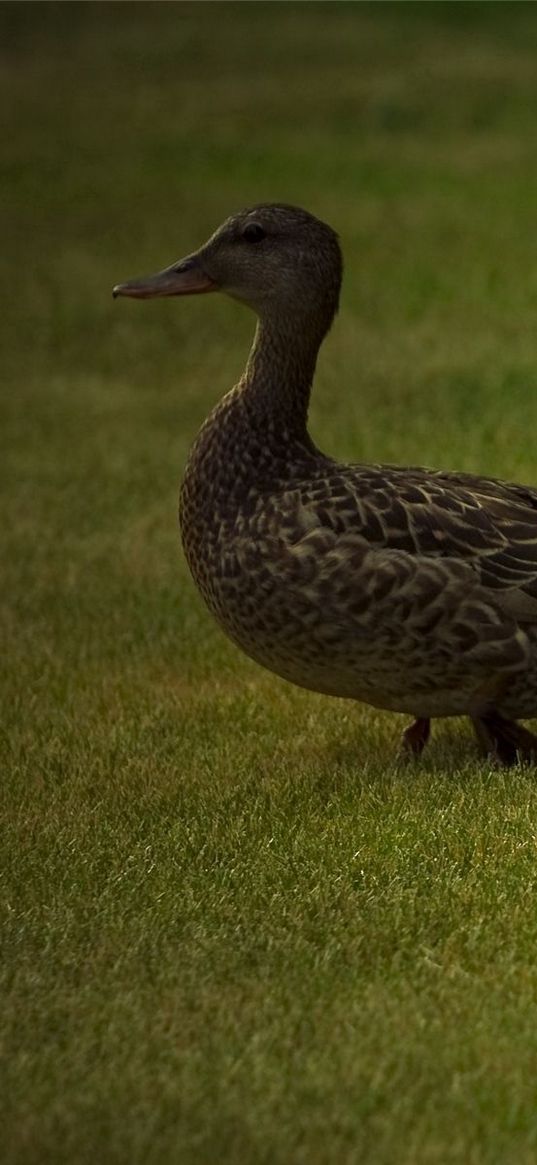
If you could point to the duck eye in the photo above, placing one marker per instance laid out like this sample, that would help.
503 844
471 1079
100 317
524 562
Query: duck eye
253 233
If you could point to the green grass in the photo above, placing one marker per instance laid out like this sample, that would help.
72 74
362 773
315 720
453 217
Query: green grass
235 930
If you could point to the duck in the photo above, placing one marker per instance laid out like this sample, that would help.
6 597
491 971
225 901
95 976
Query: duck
405 588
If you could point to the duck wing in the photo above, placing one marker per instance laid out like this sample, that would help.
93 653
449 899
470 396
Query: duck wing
374 575
489 525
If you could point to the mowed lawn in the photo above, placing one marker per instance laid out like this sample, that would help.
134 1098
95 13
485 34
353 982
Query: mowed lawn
236 930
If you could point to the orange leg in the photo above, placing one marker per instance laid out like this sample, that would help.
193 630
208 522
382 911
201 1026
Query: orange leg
504 740
416 736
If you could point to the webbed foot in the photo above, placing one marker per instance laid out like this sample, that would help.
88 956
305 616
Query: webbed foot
504 740
416 736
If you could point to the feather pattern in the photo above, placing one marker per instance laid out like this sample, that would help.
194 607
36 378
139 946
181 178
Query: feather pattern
409 588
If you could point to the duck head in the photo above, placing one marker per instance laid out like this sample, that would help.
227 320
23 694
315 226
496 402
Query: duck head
277 259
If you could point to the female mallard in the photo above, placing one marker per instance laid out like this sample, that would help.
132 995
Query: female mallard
408 589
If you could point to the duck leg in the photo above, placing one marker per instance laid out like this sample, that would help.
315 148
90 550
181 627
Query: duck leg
416 736
505 740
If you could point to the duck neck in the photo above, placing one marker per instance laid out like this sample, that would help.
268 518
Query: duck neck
258 431
276 384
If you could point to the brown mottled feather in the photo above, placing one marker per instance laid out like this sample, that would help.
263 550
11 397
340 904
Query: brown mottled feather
408 588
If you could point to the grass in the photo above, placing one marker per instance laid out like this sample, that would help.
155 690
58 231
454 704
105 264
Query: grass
235 930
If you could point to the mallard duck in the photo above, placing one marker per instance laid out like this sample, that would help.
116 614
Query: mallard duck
409 589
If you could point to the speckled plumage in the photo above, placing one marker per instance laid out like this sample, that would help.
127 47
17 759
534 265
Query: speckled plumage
406 588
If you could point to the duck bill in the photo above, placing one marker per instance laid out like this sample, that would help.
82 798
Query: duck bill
184 278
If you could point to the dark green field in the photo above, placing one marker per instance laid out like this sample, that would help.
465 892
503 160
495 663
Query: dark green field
237 931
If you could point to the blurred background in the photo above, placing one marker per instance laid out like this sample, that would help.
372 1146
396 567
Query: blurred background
131 130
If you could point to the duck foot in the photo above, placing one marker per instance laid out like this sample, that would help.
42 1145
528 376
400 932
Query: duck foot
416 736
505 740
